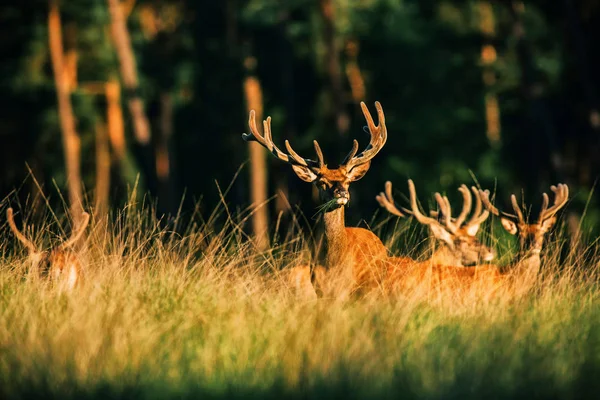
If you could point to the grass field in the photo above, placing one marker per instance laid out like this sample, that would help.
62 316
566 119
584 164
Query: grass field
203 314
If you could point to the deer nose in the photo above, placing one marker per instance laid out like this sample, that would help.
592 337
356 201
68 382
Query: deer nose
342 196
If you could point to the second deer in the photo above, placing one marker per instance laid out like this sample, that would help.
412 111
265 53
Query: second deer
460 245
60 265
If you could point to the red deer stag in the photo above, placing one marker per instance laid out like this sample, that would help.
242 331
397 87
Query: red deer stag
352 253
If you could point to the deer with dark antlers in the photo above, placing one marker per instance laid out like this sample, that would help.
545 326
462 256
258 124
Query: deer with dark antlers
352 254
460 245
60 265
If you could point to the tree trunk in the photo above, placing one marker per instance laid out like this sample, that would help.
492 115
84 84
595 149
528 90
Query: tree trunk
114 119
122 42
488 58
116 133
102 171
332 63
70 138
353 72
258 166
164 167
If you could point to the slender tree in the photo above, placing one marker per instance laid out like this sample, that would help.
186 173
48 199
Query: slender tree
353 72
487 26
122 41
114 118
70 137
102 170
258 165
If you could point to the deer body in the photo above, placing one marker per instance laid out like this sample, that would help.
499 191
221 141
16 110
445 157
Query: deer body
61 265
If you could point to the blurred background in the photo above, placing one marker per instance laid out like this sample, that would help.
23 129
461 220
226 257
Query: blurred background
99 96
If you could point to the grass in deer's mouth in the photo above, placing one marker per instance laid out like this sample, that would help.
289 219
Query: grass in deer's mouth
329 205
153 320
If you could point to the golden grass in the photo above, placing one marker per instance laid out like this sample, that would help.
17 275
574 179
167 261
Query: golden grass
202 313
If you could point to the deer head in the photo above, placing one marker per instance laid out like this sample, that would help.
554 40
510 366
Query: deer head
49 263
531 236
333 184
457 234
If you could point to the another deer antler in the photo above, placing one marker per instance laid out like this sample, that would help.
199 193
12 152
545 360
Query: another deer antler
479 215
561 193
77 233
11 222
266 141
415 208
446 209
518 217
386 200
561 196
378 138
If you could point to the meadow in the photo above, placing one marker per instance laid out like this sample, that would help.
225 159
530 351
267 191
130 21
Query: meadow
205 314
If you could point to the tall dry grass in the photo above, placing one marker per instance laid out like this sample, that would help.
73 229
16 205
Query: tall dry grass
203 313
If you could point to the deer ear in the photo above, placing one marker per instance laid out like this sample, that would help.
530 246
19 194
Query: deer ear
304 173
442 234
359 171
509 226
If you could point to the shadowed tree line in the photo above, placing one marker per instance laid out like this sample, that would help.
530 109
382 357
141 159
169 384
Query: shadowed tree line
155 94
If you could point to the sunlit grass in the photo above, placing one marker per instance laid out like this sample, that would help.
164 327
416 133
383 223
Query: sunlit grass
203 313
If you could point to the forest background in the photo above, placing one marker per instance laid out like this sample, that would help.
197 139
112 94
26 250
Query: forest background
155 95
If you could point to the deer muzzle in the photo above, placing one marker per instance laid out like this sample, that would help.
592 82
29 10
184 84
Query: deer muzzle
342 197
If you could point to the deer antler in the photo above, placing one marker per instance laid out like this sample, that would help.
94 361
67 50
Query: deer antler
561 196
415 208
76 234
485 198
378 138
11 222
446 209
479 215
266 141
386 200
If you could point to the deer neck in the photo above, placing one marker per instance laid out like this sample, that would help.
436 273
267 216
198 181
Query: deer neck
335 236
